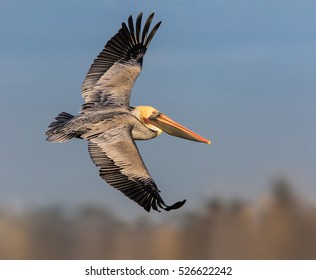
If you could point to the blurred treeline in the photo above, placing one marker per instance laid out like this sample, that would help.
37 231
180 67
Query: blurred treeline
279 225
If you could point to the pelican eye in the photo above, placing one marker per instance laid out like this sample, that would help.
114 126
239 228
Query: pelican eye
155 115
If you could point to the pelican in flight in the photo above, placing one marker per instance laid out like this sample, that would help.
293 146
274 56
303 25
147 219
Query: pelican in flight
111 125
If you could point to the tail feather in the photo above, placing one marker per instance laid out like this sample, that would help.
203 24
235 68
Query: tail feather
56 130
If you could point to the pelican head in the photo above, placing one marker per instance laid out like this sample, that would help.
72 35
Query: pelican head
159 122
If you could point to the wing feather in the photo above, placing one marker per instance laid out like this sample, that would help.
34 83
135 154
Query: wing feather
138 27
112 75
121 166
131 28
146 27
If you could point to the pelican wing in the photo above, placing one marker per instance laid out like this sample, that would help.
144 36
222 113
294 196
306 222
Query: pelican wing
112 75
121 166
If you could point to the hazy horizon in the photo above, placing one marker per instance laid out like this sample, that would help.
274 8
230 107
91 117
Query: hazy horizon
239 73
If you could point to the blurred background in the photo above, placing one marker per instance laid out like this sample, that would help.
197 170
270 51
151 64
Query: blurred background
241 73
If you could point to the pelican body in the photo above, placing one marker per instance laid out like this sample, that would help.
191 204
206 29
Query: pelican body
111 125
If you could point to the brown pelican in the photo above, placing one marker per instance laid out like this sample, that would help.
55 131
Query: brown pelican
111 126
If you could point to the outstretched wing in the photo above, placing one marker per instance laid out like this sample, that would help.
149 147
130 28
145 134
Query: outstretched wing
112 75
121 166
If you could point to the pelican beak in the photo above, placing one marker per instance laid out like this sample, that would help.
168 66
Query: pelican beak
173 128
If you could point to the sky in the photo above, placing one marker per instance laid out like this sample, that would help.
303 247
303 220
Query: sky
241 73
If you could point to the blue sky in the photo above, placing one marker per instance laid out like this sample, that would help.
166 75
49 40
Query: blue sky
241 73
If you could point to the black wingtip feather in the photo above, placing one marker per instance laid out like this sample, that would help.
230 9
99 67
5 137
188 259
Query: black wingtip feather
131 28
131 40
138 27
146 26
176 205
151 34
155 202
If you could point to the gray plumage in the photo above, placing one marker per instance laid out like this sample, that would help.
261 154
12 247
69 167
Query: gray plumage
112 75
107 122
